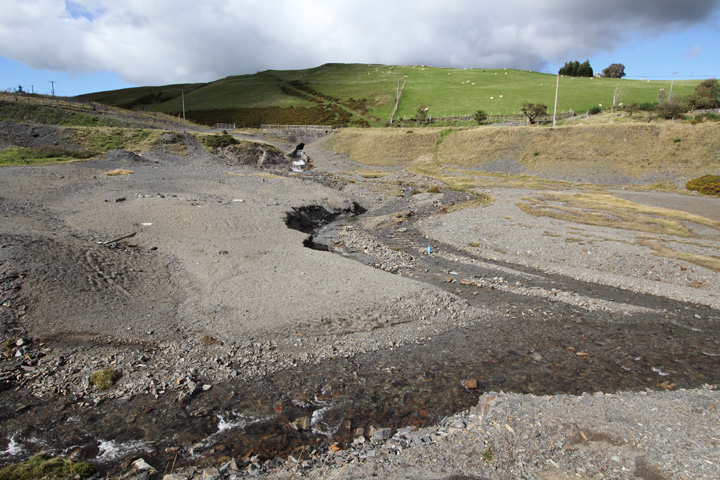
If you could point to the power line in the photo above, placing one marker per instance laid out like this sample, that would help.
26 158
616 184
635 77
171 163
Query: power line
666 77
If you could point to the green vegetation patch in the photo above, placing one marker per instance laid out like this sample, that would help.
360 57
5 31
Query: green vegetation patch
487 455
34 113
41 155
105 378
46 466
707 182
213 142
105 139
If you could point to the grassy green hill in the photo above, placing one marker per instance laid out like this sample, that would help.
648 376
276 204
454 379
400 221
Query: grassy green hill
359 93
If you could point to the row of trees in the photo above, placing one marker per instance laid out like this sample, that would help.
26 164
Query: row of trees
577 69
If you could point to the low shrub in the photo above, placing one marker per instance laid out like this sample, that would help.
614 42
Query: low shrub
709 116
360 122
710 189
672 109
212 142
594 111
698 183
647 106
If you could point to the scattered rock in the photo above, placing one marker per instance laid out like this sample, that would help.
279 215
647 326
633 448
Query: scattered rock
470 383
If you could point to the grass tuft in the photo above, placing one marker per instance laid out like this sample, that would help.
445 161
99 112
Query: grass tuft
609 211
47 467
104 379
118 171
709 262
19 156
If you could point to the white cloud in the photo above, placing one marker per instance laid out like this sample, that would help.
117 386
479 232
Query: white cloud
168 41
694 51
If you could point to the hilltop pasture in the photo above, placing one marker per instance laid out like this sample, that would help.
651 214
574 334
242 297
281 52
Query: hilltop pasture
445 92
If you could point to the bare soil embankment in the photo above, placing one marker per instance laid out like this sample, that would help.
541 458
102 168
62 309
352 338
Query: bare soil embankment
616 153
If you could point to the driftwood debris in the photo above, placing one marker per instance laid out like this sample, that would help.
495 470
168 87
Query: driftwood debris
129 235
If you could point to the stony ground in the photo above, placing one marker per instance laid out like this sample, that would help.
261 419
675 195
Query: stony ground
212 286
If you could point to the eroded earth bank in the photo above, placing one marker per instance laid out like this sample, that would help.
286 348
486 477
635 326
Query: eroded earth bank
342 324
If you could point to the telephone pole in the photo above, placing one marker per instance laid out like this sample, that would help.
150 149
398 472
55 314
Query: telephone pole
671 85
182 94
557 88
52 82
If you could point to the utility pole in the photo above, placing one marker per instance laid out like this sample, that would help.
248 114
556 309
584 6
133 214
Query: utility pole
671 85
52 82
557 88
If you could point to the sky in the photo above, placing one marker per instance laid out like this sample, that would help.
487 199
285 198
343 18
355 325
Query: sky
72 47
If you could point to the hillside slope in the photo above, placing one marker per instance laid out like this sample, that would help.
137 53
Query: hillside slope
369 93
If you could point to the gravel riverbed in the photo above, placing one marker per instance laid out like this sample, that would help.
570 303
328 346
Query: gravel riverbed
213 290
